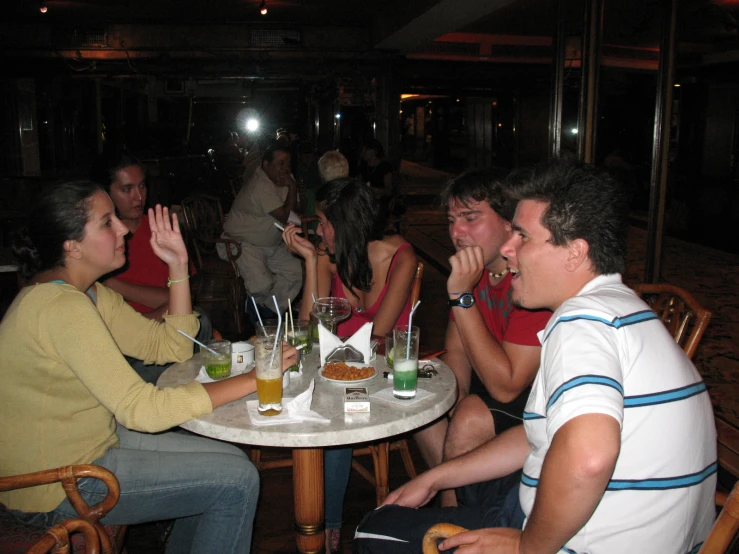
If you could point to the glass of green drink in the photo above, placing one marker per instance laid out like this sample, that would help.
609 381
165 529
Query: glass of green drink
218 365
405 361
298 334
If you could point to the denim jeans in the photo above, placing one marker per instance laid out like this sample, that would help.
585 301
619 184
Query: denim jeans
337 464
209 487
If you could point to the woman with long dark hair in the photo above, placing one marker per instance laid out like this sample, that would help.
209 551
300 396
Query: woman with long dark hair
70 397
373 271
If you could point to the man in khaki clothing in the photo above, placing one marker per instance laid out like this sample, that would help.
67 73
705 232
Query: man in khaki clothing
267 198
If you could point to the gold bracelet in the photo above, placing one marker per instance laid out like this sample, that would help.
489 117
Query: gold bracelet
170 281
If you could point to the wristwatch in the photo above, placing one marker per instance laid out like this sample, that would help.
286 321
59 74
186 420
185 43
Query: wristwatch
466 300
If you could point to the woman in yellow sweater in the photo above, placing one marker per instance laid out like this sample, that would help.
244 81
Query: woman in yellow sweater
70 397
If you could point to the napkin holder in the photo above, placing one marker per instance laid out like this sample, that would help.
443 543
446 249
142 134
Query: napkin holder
333 348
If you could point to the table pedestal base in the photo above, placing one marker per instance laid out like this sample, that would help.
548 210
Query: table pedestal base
308 491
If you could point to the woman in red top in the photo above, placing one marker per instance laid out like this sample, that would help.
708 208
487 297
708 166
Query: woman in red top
373 271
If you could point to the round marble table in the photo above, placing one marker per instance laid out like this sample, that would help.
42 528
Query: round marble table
231 423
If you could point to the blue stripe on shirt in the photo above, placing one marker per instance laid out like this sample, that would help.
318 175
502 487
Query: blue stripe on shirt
530 415
655 484
663 397
616 322
583 380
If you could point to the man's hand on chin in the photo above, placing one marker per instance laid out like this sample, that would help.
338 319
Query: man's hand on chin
500 540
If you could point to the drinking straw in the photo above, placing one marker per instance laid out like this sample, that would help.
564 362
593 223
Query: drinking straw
259 316
196 341
410 327
290 311
280 227
279 329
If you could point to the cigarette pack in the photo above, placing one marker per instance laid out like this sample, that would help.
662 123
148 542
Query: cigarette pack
356 400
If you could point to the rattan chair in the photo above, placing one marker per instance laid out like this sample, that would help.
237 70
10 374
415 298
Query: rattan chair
17 536
681 313
217 281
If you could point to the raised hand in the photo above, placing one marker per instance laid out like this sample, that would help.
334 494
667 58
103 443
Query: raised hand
166 238
297 244
467 267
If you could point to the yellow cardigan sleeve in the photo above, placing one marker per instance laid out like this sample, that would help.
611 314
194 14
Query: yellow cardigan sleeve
143 338
78 335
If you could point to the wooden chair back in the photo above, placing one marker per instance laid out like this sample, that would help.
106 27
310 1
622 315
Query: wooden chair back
416 288
68 476
724 530
684 317
204 220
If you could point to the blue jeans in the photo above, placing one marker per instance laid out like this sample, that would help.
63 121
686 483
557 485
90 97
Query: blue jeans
209 487
337 464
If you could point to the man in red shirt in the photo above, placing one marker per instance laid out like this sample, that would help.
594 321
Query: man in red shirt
143 283
491 345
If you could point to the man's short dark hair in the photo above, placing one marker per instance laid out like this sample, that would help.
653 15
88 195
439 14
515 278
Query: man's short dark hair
269 152
583 203
487 185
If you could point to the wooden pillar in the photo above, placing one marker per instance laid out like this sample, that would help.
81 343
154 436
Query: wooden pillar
308 491
661 143
589 77
558 74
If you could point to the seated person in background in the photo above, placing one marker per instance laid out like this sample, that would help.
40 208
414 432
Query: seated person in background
143 280
618 445
378 174
333 165
491 345
265 264
374 272
69 396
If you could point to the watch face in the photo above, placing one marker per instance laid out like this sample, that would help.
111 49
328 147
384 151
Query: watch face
466 300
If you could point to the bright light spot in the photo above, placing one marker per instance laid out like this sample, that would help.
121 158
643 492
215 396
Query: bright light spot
500 124
676 85
252 125
338 116
573 130
43 8
374 126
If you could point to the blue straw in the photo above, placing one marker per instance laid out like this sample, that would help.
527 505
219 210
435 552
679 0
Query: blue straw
279 328
259 316
410 327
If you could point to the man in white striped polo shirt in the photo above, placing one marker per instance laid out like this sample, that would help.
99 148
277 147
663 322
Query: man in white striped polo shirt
618 446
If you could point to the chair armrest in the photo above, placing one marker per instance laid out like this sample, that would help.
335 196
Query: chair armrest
58 537
68 476
227 243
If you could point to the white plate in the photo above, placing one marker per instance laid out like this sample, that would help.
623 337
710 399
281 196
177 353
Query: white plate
342 382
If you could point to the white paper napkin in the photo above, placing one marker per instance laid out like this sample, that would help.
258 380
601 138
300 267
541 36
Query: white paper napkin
360 340
293 410
386 395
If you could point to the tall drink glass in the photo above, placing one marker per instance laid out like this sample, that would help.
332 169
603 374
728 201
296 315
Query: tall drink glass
405 362
268 358
298 334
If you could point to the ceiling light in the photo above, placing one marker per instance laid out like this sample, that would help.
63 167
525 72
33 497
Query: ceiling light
263 8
